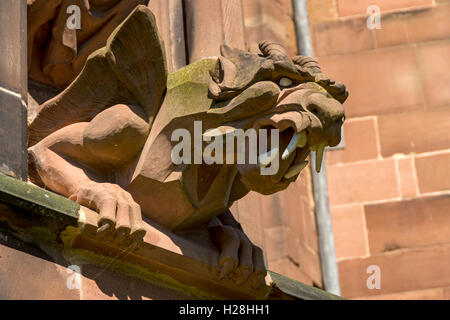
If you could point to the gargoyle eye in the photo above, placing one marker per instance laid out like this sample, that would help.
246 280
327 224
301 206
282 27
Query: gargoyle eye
285 82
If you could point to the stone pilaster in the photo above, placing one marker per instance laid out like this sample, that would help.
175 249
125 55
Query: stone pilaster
13 88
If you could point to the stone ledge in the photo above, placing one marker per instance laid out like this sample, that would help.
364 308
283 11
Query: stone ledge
300 290
187 263
36 200
34 214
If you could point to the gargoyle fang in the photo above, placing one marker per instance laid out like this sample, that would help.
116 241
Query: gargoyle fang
319 156
265 159
298 140
294 170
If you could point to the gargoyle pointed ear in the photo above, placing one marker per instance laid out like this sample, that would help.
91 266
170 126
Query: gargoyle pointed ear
235 71
229 52
136 54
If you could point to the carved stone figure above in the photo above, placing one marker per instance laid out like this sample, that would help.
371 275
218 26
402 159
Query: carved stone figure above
106 140
57 53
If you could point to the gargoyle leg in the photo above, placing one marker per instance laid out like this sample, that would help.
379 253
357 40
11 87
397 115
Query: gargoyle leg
239 259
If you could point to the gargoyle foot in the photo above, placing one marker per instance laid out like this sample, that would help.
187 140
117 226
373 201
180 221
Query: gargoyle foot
119 219
239 260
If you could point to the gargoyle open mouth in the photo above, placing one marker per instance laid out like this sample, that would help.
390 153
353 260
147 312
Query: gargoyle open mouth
307 120
299 149
294 148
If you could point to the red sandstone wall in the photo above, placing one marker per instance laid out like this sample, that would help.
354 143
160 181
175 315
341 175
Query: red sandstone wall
28 273
389 188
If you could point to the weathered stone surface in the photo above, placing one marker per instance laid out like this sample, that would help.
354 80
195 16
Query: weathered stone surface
400 28
81 136
396 162
350 236
360 142
401 270
341 37
398 91
13 89
412 223
427 294
170 21
433 174
359 7
407 177
300 290
29 273
38 275
409 132
270 20
163 266
33 213
13 134
436 80
203 15
13 50
378 178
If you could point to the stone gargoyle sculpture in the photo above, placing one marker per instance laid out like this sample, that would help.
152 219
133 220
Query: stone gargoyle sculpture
105 141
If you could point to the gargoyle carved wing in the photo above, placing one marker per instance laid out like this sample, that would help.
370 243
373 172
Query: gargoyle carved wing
130 69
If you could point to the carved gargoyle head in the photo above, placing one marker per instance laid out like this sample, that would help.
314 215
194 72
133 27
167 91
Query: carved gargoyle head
238 91
291 95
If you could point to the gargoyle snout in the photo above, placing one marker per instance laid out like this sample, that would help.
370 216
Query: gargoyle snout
327 116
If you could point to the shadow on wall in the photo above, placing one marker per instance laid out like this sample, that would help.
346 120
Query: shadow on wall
39 276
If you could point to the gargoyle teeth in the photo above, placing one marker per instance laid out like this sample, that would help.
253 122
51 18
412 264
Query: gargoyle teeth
294 170
265 159
219 131
319 156
298 140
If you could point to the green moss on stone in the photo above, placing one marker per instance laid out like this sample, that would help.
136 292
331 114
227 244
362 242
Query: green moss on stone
34 214
32 198
196 72
300 290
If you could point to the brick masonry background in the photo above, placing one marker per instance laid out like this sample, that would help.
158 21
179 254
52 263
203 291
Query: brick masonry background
390 187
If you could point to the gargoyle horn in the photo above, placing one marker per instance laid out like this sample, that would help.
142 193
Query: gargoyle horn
272 49
307 62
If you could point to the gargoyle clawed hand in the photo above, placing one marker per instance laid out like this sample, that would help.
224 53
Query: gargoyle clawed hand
120 219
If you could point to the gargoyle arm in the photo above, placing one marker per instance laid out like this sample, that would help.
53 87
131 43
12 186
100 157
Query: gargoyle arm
76 161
